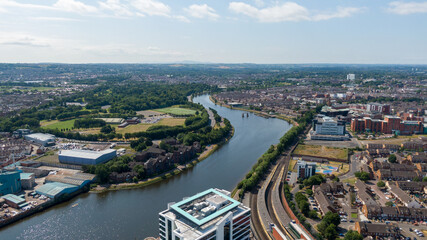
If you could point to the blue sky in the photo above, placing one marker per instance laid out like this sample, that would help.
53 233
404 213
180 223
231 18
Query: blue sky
239 31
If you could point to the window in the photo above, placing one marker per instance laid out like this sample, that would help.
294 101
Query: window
227 231
169 230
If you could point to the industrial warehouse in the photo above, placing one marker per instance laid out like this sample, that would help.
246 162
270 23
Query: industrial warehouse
86 157
41 138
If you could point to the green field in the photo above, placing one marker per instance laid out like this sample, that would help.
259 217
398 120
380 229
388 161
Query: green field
58 124
176 111
322 151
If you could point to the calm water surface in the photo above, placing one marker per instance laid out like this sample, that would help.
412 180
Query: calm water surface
132 214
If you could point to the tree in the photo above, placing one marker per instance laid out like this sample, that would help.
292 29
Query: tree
392 158
331 232
107 129
425 179
353 235
364 176
381 184
102 173
389 204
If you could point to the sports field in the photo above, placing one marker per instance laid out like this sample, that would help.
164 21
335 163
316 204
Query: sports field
176 111
58 124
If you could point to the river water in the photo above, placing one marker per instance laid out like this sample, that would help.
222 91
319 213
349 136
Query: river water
133 214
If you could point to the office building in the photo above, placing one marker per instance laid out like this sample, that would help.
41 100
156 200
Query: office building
351 76
325 125
306 169
211 214
86 157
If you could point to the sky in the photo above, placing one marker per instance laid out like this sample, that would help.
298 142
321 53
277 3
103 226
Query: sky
213 31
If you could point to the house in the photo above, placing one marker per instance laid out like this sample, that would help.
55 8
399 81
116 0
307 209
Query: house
324 203
364 193
403 197
411 186
377 230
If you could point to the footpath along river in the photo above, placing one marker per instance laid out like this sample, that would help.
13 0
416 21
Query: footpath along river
133 214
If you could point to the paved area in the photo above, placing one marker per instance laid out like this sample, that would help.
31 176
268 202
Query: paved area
352 143
380 194
355 164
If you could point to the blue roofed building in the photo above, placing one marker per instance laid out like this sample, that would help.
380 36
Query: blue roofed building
15 201
56 189
10 182
86 157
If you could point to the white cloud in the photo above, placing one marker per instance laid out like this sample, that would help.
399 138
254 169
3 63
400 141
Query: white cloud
151 7
341 13
12 3
405 8
23 39
74 6
181 18
201 11
288 11
55 19
118 8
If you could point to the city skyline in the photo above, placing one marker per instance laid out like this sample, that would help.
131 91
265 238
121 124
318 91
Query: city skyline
252 31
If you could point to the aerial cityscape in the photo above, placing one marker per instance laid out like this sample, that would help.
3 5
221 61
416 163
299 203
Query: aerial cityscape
215 120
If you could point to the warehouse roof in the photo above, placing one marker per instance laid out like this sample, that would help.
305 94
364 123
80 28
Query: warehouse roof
26 175
13 198
41 136
54 188
85 153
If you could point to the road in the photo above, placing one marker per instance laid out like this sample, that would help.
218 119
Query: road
269 206
211 117
354 166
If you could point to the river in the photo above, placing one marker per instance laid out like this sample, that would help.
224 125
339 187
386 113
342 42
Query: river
133 214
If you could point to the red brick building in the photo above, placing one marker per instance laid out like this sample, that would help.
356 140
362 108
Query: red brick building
390 125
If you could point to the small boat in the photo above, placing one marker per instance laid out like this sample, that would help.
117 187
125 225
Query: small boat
243 115
247 114
75 205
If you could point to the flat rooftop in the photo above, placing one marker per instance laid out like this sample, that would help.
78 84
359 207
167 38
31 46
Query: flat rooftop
205 206
88 154
197 215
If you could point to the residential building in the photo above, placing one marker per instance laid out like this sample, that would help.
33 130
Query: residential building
377 230
211 214
306 169
378 107
390 125
403 197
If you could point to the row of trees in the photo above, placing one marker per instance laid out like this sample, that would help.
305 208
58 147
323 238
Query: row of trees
89 123
263 163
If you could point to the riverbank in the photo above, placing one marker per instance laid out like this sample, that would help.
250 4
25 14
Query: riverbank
258 113
166 175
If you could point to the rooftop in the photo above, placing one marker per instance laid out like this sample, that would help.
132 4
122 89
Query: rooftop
41 136
85 153
205 206
198 215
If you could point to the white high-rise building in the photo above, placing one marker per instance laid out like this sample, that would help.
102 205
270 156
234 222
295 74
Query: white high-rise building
351 76
211 214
